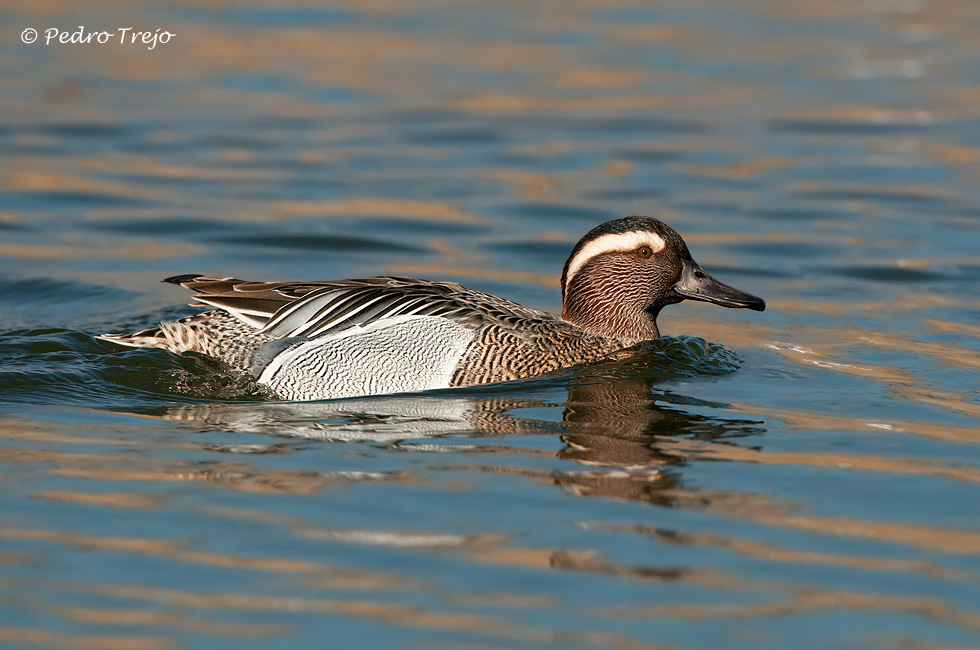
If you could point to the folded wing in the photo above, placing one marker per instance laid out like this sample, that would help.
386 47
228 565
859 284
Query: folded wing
312 309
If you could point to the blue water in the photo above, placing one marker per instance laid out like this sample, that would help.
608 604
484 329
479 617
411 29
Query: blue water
804 477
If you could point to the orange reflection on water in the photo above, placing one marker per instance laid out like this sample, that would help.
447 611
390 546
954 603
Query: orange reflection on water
84 641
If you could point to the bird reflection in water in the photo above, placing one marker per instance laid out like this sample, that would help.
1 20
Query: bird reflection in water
617 423
617 429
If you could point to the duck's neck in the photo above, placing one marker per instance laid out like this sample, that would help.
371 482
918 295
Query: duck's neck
608 313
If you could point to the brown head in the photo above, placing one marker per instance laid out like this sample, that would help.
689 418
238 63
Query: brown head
623 272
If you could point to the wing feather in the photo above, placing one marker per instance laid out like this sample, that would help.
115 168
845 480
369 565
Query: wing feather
311 309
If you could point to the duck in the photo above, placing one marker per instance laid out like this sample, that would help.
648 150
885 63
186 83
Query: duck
347 338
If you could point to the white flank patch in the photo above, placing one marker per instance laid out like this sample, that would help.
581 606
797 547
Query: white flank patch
619 241
392 355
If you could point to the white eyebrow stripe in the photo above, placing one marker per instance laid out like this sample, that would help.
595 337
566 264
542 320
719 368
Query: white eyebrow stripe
618 241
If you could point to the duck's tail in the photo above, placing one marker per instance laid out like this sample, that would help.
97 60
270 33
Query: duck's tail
148 338
189 334
214 333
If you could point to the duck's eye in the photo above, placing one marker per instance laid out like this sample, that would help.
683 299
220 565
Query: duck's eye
644 252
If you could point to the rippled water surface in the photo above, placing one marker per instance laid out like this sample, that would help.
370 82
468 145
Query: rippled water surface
805 477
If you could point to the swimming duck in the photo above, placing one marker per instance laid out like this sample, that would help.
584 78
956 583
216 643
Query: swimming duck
331 339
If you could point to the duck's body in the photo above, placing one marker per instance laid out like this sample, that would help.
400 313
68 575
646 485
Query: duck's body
378 335
318 340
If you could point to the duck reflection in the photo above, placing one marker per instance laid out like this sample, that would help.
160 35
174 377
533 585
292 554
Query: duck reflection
615 423
617 428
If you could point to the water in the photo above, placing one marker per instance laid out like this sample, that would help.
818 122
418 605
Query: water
805 477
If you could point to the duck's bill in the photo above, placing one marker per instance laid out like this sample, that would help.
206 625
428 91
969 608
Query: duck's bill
695 284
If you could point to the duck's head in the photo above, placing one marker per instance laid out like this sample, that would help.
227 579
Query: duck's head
622 273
